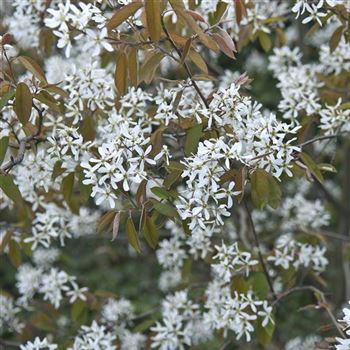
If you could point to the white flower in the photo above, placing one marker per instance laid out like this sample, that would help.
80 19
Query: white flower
97 41
38 344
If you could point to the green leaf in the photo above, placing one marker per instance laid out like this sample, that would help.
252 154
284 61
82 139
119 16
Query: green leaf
67 191
172 177
57 170
5 98
144 326
85 190
67 186
15 253
79 311
150 232
312 166
260 285
166 210
265 189
193 136
48 100
132 235
23 103
327 167
10 189
161 192
265 333
265 41
3 147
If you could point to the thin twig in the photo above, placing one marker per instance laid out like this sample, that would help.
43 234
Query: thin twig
322 302
9 343
194 84
256 239
320 138
22 145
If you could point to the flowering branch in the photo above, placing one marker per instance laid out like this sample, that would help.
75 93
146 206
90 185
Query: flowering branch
22 145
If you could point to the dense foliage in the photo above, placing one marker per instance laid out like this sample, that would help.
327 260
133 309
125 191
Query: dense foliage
175 175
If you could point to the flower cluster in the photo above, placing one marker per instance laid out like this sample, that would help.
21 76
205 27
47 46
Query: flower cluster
236 313
289 252
9 321
122 161
66 15
344 344
231 260
53 284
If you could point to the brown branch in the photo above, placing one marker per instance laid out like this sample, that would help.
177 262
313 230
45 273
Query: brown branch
194 84
23 144
256 239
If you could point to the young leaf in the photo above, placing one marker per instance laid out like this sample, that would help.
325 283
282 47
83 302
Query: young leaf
33 67
23 103
4 141
186 50
123 14
133 67
121 73
197 59
312 166
15 253
265 41
239 10
150 66
132 235
335 38
116 223
153 13
150 232
105 221
47 99
225 43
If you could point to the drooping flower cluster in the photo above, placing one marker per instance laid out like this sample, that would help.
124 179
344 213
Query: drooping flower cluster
49 282
231 261
289 252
